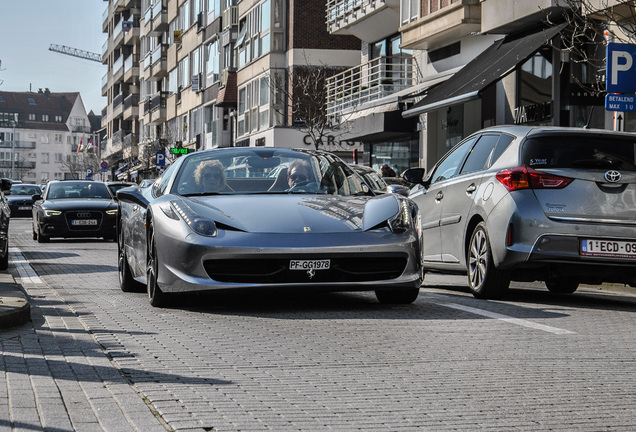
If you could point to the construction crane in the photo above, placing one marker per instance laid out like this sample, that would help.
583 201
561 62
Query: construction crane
76 52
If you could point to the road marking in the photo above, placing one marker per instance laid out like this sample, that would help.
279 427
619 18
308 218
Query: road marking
506 318
26 272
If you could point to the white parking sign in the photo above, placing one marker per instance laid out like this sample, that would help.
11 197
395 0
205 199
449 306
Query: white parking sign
621 68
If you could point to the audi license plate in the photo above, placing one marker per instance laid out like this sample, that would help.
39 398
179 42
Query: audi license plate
608 248
24 208
309 264
84 222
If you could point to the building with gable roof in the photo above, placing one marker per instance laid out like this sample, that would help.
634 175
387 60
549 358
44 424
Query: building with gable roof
40 134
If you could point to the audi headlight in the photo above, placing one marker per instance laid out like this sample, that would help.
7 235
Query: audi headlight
401 222
49 213
111 212
199 224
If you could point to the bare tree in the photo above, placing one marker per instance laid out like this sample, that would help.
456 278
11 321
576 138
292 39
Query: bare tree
591 25
300 97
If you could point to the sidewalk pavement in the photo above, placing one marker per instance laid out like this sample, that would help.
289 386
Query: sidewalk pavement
14 306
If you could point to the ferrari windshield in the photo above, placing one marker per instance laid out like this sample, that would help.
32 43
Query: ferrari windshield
266 170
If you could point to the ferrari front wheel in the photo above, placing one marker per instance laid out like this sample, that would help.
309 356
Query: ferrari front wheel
156 297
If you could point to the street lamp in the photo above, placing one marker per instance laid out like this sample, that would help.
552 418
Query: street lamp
13 151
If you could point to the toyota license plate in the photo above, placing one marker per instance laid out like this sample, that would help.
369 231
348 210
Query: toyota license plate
608 248
83 222
309 264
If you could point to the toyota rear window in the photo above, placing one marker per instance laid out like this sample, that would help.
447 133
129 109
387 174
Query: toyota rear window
580 151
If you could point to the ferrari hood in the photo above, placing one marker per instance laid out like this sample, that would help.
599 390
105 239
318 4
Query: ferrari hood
296 213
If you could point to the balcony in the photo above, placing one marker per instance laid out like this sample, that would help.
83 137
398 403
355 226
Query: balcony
118 69
368 20
447 24
105 84
131 68
84 129
105 51
118 106
159 19
105 19
370 81
131 36
17 164
159 62
158 107
118 34
131 107
229 17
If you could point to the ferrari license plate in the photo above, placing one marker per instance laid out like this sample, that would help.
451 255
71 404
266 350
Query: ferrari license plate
608 248
309 264
83 222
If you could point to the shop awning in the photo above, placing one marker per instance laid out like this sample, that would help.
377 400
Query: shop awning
497 61
121 168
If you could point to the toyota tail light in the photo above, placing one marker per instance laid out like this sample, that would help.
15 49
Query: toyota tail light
524 177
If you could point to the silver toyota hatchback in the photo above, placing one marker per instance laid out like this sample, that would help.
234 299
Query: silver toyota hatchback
532 204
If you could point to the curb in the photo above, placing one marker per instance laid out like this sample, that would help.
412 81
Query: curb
14 306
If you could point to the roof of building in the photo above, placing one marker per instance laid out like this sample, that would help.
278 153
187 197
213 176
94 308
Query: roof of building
42 102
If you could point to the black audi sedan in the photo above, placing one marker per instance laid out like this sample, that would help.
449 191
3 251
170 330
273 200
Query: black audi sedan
20 199
72 209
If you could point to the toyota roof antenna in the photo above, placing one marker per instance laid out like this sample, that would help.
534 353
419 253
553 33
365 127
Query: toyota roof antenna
589 119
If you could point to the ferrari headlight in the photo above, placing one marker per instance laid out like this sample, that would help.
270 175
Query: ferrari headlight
111 212
199 224
49 213
401 222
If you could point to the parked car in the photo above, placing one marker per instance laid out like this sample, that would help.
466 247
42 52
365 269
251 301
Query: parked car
74 208
371 178
318 228
532 203
5 217
398 185
21 200
114 186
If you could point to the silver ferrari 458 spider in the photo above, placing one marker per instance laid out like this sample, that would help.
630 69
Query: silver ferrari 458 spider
240 218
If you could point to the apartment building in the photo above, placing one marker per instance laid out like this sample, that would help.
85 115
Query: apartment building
462 65
40 136
186 75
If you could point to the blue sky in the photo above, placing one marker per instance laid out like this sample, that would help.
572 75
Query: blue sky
27 30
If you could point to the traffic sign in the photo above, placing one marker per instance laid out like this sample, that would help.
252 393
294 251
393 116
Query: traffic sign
104 164
89 173
160 158
620 102
621 68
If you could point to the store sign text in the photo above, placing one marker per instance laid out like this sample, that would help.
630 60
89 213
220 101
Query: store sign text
533 113
330 141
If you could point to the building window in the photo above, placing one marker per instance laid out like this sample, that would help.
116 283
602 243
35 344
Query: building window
32 117
31 101
254 34
45 117
58 138
253 106
212 64
409 10
444 52
184 72
535 78
58 119
45 158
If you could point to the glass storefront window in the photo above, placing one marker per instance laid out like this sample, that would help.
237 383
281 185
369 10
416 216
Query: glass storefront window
395 154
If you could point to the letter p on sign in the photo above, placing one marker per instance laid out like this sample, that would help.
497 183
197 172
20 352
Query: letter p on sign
621 74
